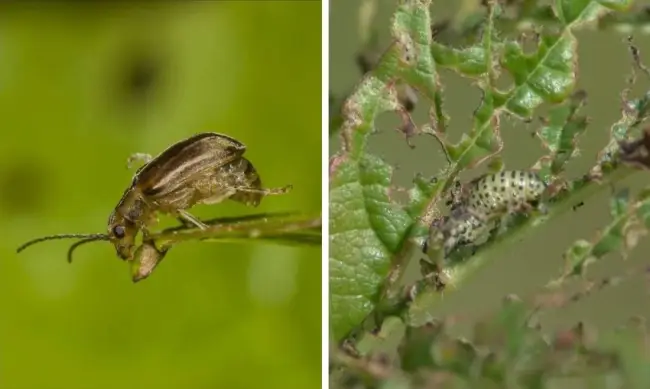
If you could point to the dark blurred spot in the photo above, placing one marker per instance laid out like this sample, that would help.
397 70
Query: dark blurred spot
439 27
139 75
365 61
22 188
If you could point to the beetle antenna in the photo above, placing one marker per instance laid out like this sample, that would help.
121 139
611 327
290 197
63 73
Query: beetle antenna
87 237
84 241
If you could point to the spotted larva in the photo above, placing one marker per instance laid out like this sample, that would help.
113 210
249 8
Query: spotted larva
487 197
507 191
460 228
463 228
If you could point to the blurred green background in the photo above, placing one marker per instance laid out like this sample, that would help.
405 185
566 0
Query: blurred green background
523 268
84 86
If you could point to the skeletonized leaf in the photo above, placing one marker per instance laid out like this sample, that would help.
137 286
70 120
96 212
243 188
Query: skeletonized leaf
370 235
367 228
630 218
559 136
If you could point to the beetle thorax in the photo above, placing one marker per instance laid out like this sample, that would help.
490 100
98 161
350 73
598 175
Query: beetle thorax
131 208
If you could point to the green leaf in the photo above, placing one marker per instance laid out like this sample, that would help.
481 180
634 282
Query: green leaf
507 329
416 349
559 137
371 236
630 345
633 113
546 75
524 16
469 62
582 11
635 17
629 221
367 229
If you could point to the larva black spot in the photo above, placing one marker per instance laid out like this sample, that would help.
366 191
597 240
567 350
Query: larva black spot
514 187
463 229
491 195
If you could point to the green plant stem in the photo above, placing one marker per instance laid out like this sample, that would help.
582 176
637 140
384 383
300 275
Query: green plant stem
287 230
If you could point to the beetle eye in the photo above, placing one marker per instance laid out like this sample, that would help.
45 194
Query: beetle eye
118 231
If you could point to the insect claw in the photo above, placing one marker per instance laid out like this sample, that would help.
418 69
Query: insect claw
279 191
189 219
138 157
267 191
184 222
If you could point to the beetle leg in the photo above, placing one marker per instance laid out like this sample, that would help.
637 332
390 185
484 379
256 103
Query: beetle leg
219 196
265 191
184 222
186 216
138 157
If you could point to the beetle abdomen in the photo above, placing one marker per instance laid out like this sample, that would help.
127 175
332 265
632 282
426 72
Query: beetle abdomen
185 162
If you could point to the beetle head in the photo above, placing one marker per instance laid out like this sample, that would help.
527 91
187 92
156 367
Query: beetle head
122 233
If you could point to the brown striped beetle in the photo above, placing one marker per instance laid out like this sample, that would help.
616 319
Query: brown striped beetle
206 168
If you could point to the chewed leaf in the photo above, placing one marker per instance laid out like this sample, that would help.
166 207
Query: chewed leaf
559 137
420 195
636 153
584 11
629 221
371 237
545 75
410 30
470 62
636 18
366 230
633 113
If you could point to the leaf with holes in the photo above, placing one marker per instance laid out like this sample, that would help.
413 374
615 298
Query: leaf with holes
630 220
559 137
370 235
368 229
633 113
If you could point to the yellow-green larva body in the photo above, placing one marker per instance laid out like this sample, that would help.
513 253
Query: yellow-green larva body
506 191
463 229
487 198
